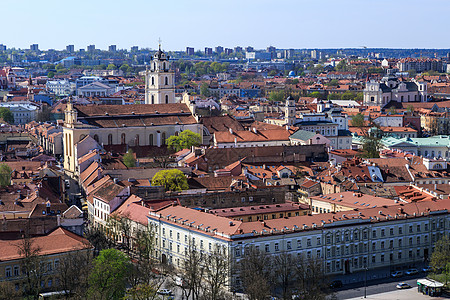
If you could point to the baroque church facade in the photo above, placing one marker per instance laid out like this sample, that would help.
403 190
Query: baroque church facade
131 125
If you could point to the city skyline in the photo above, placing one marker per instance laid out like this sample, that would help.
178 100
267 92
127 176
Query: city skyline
199 24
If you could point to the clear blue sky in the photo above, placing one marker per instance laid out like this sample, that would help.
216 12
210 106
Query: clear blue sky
199 23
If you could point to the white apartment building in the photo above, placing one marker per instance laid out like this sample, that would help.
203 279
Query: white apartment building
60 87
23 112
347 241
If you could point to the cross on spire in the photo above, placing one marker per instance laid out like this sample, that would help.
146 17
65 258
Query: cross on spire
159 43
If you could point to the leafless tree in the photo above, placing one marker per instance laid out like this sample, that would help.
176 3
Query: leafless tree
8 291
216 272
284 269
311 280
73 273
31 265
120 228
192 272
255 272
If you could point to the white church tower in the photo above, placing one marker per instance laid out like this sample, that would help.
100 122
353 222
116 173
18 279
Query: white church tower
289 111
159 80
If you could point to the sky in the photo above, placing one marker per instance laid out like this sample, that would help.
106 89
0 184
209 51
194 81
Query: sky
208 23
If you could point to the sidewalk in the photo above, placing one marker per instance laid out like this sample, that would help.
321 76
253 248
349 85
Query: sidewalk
409 294
373 276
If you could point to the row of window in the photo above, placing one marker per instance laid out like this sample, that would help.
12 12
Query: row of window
14 271
123 140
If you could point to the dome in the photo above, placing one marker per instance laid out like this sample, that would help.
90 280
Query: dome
291 74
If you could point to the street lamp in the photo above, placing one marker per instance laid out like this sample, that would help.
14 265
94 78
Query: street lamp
365 282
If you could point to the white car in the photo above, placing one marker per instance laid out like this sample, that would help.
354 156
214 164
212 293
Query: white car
403 285
165 292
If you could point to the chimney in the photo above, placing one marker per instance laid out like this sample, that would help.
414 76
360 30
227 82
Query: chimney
254 130
231 130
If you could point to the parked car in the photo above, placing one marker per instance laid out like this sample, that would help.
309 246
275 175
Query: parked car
403 285
412 272
336 284
165 292
427 269
397 274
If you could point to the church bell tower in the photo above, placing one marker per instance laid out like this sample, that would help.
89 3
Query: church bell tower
159 80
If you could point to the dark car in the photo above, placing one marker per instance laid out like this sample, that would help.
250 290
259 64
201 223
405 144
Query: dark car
336 284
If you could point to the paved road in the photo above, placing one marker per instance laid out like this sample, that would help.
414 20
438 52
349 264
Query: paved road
385 285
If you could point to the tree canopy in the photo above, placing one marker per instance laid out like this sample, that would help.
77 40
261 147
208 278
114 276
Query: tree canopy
128 159
276 96
6 115
108 276
358 120
171 180
5 175
185 140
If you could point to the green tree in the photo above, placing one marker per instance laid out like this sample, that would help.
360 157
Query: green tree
371 146
6 115
276 96
204 90
348 95
334 96
333 82
51 74
111 67
342 65
5 175
185 140
410 108
440 258
124 68
392 110
128 159
317 95
358 120
108 277
171 180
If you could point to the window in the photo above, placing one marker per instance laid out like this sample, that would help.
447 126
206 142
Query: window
16 271
374 234
410 241
382 245
136 140
391 231
288 245
163 138
8 272
382 232
382 258
391 244
153 99
123 139
418 227
96 138
299 243
167 99
373 259
400 230
166 81
400 255
267 248
110 139
410 229
150 139
277 247
49 266
308 242
153 80
237 252
318 241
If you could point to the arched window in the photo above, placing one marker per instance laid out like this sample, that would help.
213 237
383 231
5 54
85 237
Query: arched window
153 99
176 133
136 140
164 66
150 139
167 99
110 139
96 138
122 139
153 80
154 66
163 138
166 80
